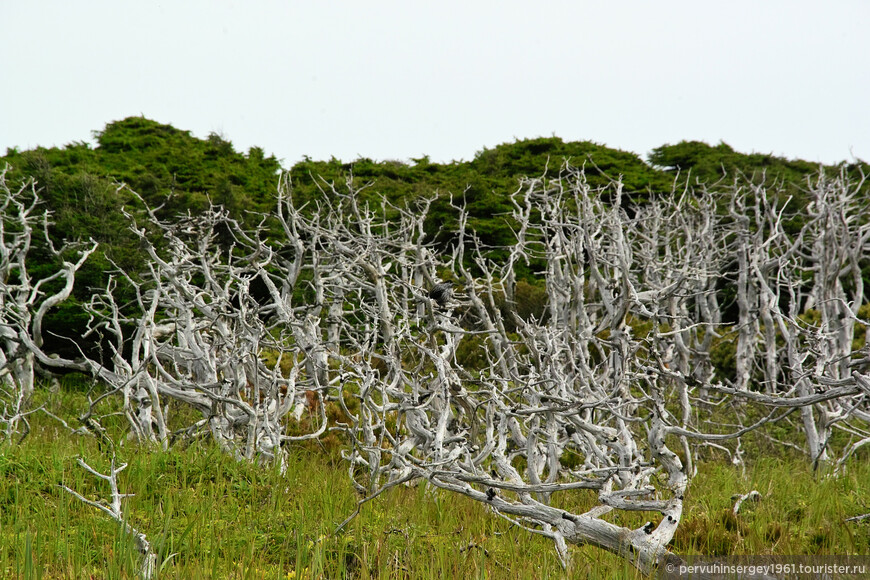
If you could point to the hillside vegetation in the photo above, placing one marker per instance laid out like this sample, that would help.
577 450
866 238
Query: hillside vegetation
607 351
180 174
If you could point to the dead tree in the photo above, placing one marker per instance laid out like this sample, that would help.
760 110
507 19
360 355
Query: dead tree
114 509
25 299
463 391
799 296
572 401
585 397
196 335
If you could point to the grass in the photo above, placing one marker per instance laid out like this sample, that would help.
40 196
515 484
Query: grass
223 519
209 516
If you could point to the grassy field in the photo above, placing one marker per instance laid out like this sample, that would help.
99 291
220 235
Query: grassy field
209 516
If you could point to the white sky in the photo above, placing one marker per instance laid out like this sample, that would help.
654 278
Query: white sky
400 79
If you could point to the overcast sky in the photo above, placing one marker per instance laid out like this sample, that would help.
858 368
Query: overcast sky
400 79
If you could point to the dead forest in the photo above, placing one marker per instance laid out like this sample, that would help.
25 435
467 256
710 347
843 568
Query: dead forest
603 382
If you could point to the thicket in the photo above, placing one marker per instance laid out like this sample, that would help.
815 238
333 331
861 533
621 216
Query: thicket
573 353
180 174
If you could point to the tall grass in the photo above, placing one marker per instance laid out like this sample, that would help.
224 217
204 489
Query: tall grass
209 516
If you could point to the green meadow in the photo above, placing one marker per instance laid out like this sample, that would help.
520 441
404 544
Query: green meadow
209 516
